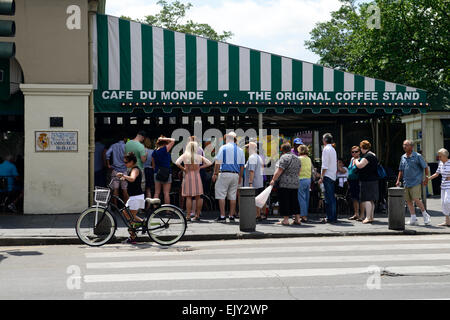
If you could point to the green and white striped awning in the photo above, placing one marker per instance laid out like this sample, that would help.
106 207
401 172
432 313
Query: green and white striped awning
137 65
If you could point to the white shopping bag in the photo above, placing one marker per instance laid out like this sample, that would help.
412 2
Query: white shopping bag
261 199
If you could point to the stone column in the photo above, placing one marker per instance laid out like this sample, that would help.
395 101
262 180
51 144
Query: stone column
56 182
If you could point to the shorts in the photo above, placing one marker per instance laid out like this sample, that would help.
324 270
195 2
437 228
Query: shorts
226 186
445 201
168 181
413 193
136 202
123 184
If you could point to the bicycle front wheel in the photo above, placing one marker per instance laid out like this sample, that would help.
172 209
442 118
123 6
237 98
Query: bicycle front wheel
95 226
166 225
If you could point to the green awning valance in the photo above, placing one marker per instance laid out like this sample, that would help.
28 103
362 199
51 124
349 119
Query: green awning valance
137 65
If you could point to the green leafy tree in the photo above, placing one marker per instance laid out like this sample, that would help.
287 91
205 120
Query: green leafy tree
172 16
411 47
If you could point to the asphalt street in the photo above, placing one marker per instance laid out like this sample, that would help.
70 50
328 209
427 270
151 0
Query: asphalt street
360 267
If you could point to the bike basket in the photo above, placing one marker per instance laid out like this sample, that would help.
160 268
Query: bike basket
101 195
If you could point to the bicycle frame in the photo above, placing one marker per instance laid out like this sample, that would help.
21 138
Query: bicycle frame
116 210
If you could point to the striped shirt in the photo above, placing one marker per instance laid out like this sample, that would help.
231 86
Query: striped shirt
444 170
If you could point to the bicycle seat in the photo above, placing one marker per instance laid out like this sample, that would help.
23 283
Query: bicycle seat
153 201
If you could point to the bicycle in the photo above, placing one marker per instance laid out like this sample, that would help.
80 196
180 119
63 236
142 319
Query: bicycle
97 225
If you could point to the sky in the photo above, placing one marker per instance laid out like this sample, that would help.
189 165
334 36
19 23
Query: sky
276 26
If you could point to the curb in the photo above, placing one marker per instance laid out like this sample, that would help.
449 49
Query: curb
36 241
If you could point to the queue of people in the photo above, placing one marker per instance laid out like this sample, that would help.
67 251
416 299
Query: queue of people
294 177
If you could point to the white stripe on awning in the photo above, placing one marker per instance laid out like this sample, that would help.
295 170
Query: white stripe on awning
390 86
349 81
180 61
114 53
307 76
136 56
94 52
224 70
202 64
244 69
369 84
266 71
158 59
286 74
328 79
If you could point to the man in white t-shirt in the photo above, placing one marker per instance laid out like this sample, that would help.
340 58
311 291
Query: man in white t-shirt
328 177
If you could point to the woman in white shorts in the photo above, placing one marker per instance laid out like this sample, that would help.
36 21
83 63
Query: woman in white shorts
444 170
136 200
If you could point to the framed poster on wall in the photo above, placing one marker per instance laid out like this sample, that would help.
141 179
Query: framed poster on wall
56 141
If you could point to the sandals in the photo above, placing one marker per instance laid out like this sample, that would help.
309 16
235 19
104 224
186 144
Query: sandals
354 218
298 223
367 221
443 225
281 223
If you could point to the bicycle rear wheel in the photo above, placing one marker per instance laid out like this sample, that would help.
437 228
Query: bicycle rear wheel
95 226
166 225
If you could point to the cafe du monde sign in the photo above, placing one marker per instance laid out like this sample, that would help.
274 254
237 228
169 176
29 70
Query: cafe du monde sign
260 96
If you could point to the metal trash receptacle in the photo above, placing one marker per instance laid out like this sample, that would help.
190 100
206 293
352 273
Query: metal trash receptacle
396 208
247 209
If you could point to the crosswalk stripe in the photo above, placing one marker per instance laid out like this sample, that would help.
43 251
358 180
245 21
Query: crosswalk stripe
252 274
266 250
169 293
301 240
265 261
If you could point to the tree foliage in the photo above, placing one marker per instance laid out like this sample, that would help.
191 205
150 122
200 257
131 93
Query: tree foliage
411 47
172 16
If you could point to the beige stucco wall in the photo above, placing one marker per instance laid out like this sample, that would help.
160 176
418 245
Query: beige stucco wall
46 49
56 182
434 139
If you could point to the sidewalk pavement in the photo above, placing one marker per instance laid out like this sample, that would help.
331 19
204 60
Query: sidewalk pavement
60 229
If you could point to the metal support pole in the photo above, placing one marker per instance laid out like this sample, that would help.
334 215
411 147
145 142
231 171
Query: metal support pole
247 209
396 208
424 153
377 138
93 6
341 138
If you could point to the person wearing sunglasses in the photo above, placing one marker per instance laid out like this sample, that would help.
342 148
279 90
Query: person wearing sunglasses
353 185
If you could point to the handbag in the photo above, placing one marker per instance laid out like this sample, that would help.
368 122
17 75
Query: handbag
163 174
276 185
